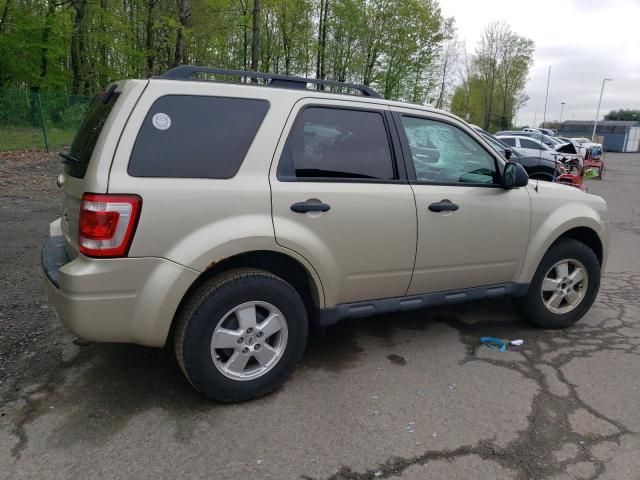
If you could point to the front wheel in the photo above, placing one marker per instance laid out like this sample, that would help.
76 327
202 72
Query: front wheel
240 335
564 286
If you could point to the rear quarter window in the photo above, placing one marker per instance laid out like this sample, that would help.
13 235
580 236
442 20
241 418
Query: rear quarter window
87 136
188 136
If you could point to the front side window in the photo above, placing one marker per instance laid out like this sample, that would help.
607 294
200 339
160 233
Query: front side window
443 153
189 136
337 143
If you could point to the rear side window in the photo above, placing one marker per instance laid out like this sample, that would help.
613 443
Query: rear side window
188 136
337 143
87 136
524 143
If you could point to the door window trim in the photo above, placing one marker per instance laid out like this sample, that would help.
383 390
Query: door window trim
395 148
408 160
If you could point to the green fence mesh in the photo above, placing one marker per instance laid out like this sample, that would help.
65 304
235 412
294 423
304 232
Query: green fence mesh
39 120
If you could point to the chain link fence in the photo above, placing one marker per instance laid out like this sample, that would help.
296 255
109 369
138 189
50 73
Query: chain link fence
39 120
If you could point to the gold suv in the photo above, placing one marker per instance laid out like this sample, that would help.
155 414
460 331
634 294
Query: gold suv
230 217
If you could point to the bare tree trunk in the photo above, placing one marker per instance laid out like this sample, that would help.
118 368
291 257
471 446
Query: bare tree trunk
318 54
244 8
149 36
103 77
286 46
322 27
184 13
369 67
5 12
442 84
255 39
77 46
266 49
44 51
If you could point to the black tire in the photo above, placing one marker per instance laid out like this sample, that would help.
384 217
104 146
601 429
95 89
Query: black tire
532 307
205 308
541 177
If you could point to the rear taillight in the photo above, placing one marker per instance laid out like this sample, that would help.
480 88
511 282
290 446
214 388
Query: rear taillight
107 224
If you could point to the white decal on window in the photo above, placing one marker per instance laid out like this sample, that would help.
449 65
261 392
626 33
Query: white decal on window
161 121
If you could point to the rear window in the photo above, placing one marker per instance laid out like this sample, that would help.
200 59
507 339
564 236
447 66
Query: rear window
87 136
188 136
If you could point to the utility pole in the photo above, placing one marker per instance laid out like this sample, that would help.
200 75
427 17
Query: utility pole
546 98
561 111
595 124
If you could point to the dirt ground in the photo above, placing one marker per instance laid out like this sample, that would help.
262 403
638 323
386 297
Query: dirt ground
404 396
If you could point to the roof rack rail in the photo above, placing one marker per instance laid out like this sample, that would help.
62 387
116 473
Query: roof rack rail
185 72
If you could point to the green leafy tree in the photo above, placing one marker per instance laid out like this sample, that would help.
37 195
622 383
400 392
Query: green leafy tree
623 114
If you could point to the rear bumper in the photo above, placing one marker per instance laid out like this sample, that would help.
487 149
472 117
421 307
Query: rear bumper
131 300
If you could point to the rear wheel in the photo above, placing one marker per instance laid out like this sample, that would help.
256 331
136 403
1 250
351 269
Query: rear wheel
563 287
240 335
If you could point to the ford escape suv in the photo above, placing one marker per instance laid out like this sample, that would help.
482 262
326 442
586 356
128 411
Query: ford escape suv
228 218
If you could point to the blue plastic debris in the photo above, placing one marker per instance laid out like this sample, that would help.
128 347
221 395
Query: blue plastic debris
494 343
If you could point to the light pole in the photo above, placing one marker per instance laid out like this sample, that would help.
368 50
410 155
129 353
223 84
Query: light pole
561 110
595 124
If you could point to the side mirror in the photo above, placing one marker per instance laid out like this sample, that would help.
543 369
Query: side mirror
507 153
514 176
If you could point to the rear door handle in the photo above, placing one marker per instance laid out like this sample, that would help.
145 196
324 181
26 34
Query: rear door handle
443 206
304 207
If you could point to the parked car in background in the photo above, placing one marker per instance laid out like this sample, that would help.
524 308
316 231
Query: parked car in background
580 149
587 143
546 131
546 139
567 150
529 146
537 168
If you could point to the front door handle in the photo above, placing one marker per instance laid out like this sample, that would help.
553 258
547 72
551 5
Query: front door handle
304 207
443 206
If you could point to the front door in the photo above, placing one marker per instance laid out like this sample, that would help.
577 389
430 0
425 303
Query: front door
471 231
341 200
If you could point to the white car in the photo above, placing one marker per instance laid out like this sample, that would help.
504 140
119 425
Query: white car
580 148
546 131
586 143
529 147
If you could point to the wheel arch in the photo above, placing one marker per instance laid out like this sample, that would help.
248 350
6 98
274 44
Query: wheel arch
541 175
280 264
587 236
584 229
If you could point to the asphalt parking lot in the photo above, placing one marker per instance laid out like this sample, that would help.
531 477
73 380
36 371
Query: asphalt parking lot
405 396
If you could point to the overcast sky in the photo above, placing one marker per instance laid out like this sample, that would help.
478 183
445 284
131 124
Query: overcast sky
582 40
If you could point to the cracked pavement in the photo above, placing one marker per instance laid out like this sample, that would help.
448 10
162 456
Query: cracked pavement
403 396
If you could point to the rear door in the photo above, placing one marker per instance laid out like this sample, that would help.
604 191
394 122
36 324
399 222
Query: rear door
340 198
471 231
